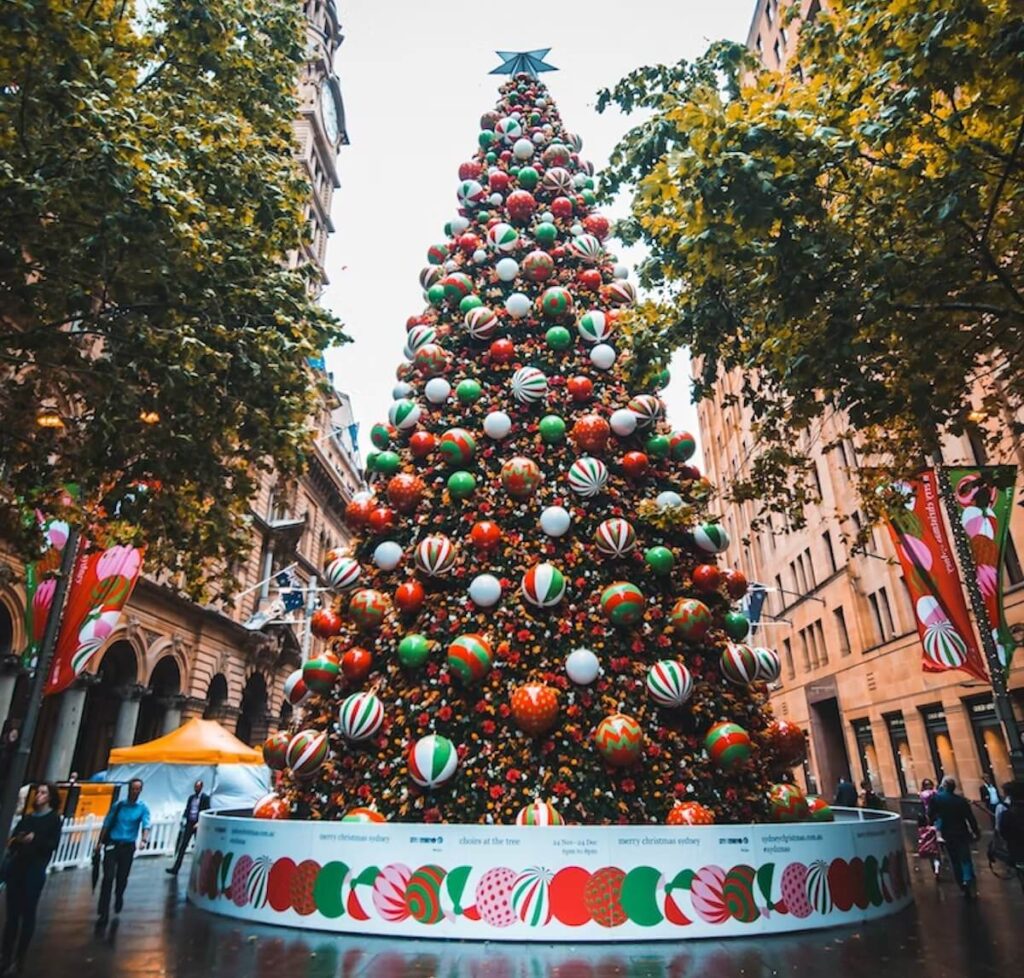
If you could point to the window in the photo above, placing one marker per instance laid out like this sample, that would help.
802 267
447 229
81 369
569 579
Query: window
977 444
810 568
817 481
886 610
799 578
787 654
777 48
876 617
819 634
769 14
841 448
842 634
813 11
781 593
784 36
805 649
826 539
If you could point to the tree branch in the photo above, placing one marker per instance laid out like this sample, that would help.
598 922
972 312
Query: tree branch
1002 183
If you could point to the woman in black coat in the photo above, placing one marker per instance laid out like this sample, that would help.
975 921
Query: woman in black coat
30 849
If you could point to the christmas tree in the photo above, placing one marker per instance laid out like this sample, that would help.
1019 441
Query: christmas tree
532 625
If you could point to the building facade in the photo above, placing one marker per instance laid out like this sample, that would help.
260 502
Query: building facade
172 659
841 617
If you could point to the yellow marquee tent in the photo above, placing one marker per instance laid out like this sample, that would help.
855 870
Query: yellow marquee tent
194 742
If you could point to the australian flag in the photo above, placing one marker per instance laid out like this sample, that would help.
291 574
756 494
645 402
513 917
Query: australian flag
291 590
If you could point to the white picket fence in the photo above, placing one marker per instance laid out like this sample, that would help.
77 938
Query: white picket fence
78 838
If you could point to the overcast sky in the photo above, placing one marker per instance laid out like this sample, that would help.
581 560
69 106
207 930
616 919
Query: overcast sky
414 78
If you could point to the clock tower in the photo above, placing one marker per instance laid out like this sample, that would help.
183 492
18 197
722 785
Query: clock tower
320 127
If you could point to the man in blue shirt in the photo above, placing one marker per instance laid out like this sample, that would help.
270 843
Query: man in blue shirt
118 839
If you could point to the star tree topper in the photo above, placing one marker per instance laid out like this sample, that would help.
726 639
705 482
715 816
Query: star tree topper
531 62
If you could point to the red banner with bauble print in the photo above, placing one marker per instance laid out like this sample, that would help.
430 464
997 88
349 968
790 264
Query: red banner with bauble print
930 569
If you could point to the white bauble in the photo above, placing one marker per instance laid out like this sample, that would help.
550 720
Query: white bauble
400 390
388 555
582 666
518 305
496 200
523 149
621 271
623 422
459 224
480 256
577 230
602 356
485 590
547 216
363 496
539 138
437 390
668 500
555 521
497 425
506 269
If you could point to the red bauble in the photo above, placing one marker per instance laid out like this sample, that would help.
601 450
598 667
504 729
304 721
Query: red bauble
422 443
788 741
498 180
414 321
356 664
534 708
597 225
505 156
405 491
590 278
409 597
381 519
736 583
357 512
706 577
520 206
635 464
690 813
502 351
469 242
591 433
561 207
270 807
485 535
325 623
581 389
470 170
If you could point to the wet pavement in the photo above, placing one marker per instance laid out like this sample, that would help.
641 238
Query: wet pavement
160 934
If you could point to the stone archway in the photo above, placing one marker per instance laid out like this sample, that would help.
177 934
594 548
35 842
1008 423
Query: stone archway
160 703
216 697
252 720
111 711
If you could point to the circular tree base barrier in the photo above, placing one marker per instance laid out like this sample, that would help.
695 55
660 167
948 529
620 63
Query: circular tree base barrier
552 883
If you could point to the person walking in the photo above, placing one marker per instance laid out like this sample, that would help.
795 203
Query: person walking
846 793
30 849
989 794
870 798
118 841
1010 821
196 803
951 815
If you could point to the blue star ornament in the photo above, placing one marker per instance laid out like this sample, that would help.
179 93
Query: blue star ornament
530 62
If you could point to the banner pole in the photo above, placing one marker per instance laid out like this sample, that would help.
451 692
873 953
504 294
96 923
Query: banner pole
996 669
27 735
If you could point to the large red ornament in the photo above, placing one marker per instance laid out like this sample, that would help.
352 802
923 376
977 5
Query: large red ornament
520 205
469 242
580 388
409 597
381 519
788 741
325 623
591 433
736 583
561 207
590 278
498 180
597 225
357 512
706 578
270 807
534 708
485 535
690 813
635 464
405 491
356 664
422 443
470 170
502 351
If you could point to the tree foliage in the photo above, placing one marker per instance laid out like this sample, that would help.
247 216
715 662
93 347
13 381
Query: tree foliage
849 235
149 198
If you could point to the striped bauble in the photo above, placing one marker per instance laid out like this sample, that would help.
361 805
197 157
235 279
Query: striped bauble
615 537
343 573
470 193
307 751
727 744
595 326
588 476
543 585
470 657
539 813
429 276
621 293
619 740
481 323
404 414
320 673
710 538
435 555
557 182
360 716
432 760
529 385
647 408
503 237
669 683
419 336
738 664
622 603
587 248
769 665
295 689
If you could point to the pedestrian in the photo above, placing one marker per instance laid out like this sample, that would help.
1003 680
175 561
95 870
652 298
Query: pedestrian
846 793
118 840
1010 821
869 799
30 849
988 793
928 843
196 803
951 815
927 790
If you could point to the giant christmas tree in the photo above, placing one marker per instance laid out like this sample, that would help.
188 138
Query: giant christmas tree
532 624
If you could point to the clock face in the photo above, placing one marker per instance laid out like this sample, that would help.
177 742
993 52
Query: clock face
329 110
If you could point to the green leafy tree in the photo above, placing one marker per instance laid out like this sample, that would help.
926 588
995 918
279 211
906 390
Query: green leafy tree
149 202
849 234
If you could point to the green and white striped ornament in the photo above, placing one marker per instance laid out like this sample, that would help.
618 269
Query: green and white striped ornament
543 585
615 537
404 414
669 683
360 716
710 538
481 323
503 238
529 385
432 760
588 476
595 326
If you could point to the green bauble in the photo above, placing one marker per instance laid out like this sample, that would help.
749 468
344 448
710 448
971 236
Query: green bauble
483 216
387 463
435 294
736 625
528 178
546 234
662 377
661 560
485 138
589 183
461 484
589 198
658 446
558 338
447 229
491 158
470 302
414 650
468 391
380 435
513 171
552 428
534 118
371 461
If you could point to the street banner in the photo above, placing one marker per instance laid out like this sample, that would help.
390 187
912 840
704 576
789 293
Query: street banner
755 599
40 585
930 570
984 503
100 586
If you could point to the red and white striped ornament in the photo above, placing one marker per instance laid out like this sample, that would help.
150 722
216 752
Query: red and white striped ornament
435 555
481 323
432 761
669 683
539 813
360 716
738 664
615 537
529 385
343 573
543 585
648 408
307 751
588 476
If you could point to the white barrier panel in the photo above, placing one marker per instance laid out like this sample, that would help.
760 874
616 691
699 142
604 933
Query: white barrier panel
78 838
511 883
